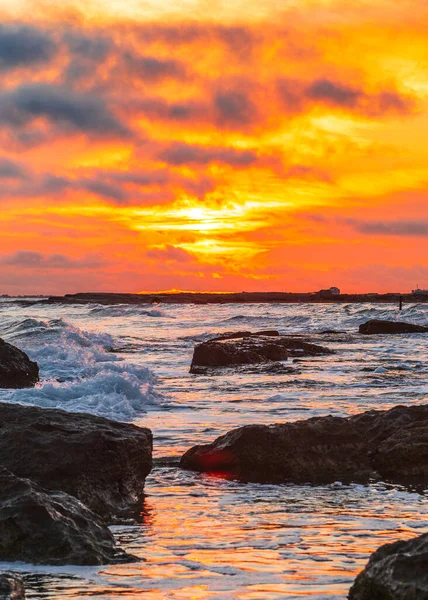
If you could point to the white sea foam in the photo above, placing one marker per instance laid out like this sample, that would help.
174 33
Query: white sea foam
80 373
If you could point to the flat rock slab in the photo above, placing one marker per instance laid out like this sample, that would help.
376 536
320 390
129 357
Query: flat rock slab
16 369
101 462
54 528
254 348
390 445
396 571
11 587
390 327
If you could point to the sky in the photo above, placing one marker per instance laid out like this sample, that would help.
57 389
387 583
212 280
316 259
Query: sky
156 145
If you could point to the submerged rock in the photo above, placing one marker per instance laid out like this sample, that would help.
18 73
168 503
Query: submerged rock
243 349
11 587
397 571
16 369
101 462
43 527
378 326
391 445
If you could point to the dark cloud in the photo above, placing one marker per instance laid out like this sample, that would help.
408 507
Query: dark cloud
67 109
37 260
290 94
161 109
234 108
11 170
334 93
156 177
181 154
102 188
394 228
171 253
151 68
24 46
296 96
91 47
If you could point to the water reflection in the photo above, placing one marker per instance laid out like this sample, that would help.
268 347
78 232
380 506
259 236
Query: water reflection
206 538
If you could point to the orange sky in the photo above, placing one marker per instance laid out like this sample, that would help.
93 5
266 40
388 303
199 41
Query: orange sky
213 146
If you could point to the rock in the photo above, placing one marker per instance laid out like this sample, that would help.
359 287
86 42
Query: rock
16 369
391 327
397 571
232 335
103 463
54 528
11 587
263 347
390 445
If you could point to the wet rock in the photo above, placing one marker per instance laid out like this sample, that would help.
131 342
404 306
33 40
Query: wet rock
11 587
43 527
390 445
397 571
16 369
101 462
263 347
232 335
390 327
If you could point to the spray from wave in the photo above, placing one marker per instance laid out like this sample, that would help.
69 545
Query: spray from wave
79 372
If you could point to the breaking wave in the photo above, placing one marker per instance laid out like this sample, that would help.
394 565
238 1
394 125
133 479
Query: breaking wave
79 372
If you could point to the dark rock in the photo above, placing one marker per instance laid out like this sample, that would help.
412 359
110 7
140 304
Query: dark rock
103 463
16 369
232 335
54 528
391 327
397 571
262 347
11 587
390 445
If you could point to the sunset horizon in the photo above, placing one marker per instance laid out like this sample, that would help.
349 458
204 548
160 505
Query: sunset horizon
213 148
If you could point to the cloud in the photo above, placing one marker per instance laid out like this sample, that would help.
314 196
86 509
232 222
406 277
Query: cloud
334 93
11 170
393 228
36 260
67 109
181 154
151 68
93 47
234 108
24 46
171 253
297 96
158 108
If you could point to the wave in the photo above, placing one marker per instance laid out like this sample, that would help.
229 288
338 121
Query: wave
127 310
80 372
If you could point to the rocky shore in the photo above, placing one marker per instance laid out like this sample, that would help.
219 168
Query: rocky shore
244 348
375 445
397 571
64 477
230 298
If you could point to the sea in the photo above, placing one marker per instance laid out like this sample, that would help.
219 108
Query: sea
202 537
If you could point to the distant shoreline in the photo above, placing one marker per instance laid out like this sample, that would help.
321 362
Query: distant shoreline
233 298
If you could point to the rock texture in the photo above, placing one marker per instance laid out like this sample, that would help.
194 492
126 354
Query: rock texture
391 327
396 571
53 528
244 348
16 369
389 445
103 463
11 587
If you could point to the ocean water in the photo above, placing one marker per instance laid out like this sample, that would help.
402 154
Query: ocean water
201 537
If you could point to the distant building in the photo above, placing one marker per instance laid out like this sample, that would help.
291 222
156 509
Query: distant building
333 291
418 291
